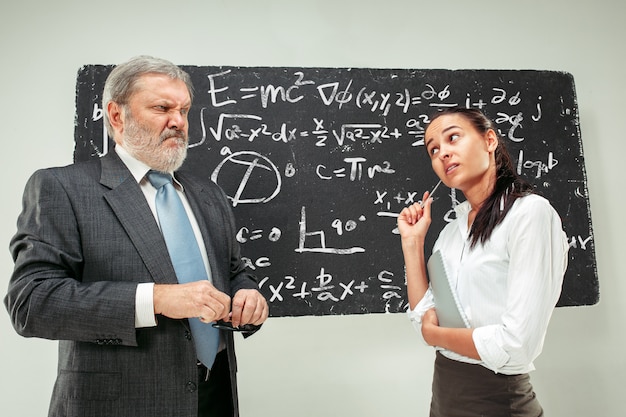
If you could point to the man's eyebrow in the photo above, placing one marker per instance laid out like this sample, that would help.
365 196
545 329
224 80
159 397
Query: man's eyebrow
172 103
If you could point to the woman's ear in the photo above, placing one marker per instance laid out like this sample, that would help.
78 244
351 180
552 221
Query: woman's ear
492 140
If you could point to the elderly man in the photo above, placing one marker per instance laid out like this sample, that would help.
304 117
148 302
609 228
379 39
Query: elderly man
128 261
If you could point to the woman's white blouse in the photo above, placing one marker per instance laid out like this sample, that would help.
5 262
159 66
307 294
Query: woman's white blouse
509 286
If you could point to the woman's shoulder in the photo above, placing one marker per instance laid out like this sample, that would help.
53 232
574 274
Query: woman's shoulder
533 202
533 208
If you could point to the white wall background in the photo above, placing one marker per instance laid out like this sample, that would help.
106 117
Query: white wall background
370 365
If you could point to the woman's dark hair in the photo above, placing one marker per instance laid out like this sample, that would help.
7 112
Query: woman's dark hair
509 186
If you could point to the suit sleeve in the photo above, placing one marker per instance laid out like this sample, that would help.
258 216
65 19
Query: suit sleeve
46 296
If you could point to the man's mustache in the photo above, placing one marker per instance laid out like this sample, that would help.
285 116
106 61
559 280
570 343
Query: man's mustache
173 133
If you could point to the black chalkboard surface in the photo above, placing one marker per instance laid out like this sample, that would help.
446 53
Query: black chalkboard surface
318 162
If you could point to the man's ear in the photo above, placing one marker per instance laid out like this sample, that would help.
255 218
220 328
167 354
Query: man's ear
116 117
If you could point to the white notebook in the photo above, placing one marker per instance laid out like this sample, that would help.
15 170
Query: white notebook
447 305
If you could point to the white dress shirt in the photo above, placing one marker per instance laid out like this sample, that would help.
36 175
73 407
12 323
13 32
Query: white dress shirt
144 301
508 287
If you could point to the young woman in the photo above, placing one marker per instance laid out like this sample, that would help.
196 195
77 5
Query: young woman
506 254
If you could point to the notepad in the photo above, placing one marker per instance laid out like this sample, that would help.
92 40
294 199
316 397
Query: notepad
447 305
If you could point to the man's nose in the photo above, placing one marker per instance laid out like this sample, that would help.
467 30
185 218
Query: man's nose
177 120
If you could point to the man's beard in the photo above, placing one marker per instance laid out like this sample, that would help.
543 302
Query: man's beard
143 145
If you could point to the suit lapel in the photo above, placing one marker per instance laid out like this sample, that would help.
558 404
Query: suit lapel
131 208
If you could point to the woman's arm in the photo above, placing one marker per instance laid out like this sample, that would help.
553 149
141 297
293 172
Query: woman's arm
413 224
456 340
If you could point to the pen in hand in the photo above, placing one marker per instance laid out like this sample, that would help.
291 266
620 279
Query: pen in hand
430 194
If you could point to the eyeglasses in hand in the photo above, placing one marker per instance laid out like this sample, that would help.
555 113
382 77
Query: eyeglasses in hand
226 325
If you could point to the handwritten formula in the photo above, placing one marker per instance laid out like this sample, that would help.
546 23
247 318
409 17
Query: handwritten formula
318 162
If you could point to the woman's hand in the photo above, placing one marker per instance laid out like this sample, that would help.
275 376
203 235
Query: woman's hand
414 220
458 340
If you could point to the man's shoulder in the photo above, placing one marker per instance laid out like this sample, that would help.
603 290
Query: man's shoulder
76 170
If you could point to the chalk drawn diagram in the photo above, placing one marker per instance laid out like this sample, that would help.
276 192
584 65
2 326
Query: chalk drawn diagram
250 189
321 239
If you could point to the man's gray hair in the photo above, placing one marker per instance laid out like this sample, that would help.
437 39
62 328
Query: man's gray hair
121 82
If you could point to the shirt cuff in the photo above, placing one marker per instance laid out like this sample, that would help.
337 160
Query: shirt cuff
144 305
426 303
492 355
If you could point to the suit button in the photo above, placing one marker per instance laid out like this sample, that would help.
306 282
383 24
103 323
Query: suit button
187 335
191 387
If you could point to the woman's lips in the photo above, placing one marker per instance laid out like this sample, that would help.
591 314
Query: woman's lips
451 167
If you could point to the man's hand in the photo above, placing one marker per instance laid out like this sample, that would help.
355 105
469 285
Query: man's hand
195 299
249 307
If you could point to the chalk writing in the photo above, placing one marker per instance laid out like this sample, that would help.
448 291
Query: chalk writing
317 164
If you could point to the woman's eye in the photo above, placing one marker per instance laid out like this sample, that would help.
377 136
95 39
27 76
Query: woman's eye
454 137
433 151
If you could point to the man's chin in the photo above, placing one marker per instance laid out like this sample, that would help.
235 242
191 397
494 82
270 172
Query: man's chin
168 161
177 161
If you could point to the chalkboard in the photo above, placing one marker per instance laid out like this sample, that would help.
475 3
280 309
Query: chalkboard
318 162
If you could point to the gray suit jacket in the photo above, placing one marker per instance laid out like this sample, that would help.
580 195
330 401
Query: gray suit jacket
85 238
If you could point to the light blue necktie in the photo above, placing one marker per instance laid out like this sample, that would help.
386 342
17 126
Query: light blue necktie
186 257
